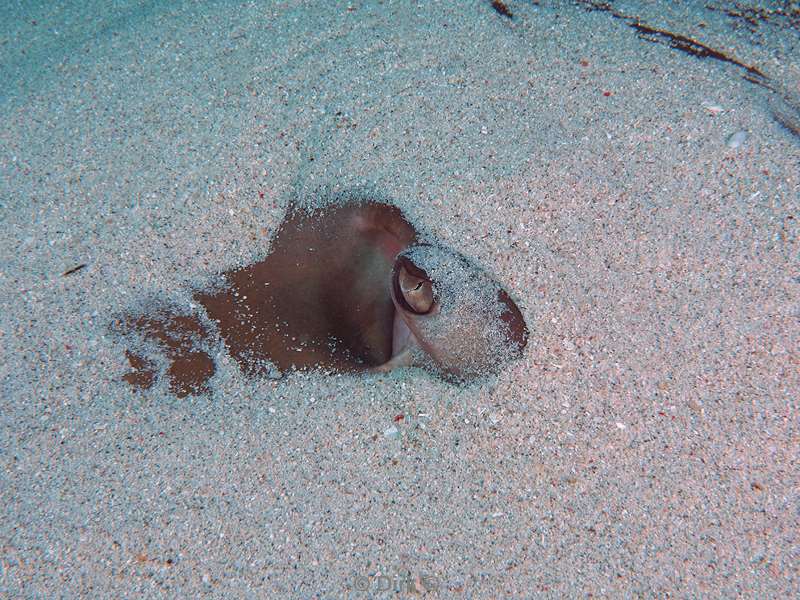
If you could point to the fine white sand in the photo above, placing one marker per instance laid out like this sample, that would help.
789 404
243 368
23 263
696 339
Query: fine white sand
646 444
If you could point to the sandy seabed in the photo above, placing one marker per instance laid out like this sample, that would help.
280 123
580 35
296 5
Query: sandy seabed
647 443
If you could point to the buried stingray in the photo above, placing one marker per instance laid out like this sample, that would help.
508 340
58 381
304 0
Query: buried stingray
346 288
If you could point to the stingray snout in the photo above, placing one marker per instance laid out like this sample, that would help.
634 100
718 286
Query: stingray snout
450 311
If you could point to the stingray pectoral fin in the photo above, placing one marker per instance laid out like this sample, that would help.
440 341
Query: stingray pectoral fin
385 226
404 359
511 315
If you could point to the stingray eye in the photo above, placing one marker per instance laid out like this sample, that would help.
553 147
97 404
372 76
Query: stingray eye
412 288
417 292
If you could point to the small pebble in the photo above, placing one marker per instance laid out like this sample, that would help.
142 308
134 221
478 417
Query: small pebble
736 139
392 432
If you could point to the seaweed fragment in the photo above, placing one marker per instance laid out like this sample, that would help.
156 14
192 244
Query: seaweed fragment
751 17
73 270
689 46
673 40
501 9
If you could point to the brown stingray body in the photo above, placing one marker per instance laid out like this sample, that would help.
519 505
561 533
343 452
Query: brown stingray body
338 291
319 299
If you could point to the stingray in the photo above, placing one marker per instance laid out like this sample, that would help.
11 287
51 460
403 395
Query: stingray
345 288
